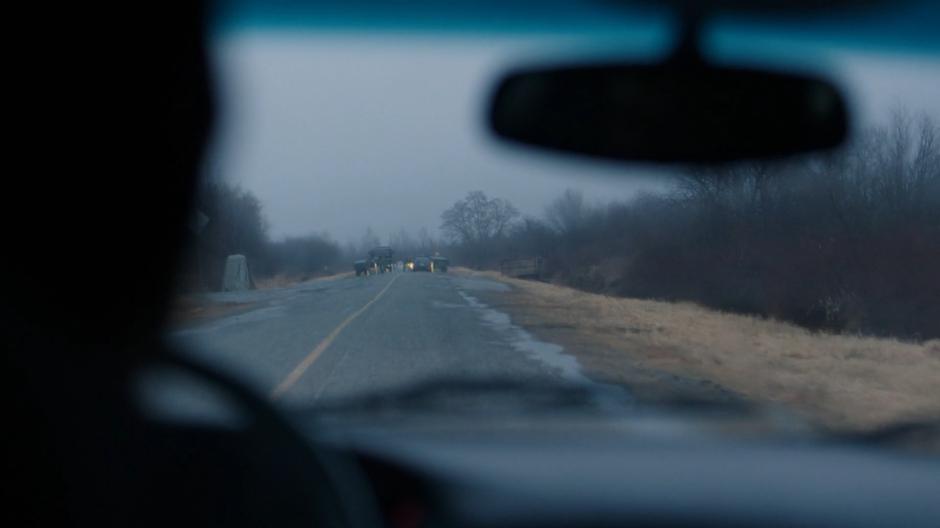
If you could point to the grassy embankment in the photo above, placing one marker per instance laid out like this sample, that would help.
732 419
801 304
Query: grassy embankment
844 381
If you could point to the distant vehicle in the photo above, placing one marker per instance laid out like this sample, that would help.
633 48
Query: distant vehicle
362 267
423 264
410 264
382 257
440 264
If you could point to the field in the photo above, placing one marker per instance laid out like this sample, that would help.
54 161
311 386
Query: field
842 381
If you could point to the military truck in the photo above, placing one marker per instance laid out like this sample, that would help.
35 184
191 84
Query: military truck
363 267
382 257
423 264
440 263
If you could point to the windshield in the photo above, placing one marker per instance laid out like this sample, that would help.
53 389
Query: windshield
359 230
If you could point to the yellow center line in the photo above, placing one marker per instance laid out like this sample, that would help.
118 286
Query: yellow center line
302 367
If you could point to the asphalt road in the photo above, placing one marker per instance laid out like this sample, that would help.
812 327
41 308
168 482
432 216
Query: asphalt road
351 336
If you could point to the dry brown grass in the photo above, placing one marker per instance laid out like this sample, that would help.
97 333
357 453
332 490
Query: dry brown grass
187 309
841 380
282 280
190 308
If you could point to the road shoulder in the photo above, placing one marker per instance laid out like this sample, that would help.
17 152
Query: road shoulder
194 309
661 349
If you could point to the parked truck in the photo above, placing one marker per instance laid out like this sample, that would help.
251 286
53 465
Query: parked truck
423 264
382 256
440 263
364 267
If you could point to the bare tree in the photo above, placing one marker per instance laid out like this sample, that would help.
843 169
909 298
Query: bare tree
402 242
844 240
426 243
235 224
477 219
568 213
314 253
368 241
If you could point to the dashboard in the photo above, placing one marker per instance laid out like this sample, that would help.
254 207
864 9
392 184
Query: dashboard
583 477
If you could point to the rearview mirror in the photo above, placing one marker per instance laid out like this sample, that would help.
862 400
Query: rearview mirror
669 112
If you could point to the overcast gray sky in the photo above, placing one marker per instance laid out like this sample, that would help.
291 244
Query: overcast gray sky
336 134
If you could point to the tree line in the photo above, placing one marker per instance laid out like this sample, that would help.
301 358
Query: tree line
845 241
233 222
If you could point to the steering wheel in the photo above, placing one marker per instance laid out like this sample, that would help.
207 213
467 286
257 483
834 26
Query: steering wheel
341 492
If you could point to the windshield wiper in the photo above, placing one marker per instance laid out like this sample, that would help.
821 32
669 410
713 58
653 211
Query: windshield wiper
456 394
914 435
460 393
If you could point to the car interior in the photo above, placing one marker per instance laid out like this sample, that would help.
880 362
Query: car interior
81 333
